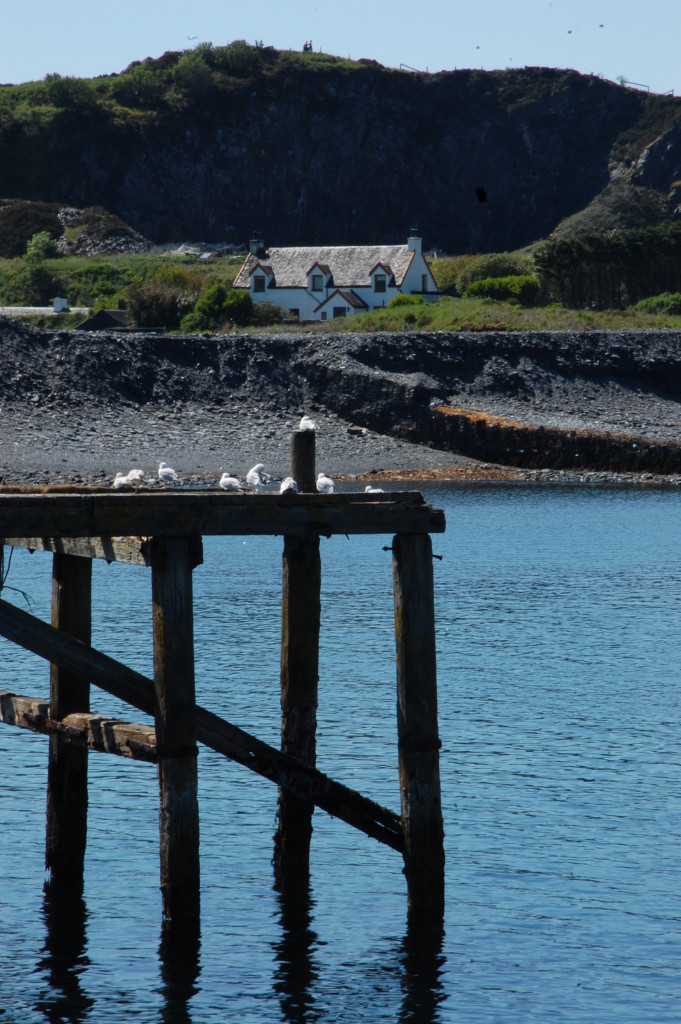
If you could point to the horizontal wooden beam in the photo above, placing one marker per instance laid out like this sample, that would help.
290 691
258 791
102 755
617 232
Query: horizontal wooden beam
98 732
211 512
149 551
300 779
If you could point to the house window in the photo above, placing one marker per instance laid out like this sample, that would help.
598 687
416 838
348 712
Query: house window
317 283
294 314
259 283
424 282
324 316
379 283
338 311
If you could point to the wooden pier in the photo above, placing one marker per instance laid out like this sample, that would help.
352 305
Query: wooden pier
163 530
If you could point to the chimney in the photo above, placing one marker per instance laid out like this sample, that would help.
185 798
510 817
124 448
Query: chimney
257 247
414 241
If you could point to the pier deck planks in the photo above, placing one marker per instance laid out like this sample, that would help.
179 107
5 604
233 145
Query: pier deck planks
96 514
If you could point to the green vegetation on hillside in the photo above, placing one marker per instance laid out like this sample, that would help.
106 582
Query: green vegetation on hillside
113 281
155 86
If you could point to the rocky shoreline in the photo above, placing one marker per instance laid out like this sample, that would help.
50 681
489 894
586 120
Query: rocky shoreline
77 407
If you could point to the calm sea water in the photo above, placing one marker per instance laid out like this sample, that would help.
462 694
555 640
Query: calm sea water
559 664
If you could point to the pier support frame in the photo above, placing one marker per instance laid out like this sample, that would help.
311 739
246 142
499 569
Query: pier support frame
300 624
67 795
417 728
175 714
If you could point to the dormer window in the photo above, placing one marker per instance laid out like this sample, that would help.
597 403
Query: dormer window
258 283
379 282
317 282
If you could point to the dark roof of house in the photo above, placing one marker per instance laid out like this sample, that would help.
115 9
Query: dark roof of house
106 319
351 265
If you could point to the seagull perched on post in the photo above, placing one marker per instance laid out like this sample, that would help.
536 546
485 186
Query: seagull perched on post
307 424
324 484
257 477
288 486
229 483
373 490
166 474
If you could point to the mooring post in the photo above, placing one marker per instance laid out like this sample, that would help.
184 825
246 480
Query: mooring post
175 714
417 728
67 795
300 620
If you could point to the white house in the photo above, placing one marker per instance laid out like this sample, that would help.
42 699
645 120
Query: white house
323 282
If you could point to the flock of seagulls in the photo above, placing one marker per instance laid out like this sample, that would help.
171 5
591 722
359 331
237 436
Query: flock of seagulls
256 478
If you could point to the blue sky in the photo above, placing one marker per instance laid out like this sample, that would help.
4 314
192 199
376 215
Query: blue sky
613 38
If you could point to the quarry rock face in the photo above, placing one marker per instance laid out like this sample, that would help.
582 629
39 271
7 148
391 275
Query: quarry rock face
477 161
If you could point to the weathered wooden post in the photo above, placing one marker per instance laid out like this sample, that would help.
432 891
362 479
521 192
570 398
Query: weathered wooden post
417 728
175 714
303 460
67 796
300 620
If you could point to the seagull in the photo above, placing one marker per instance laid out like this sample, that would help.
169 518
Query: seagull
307 424
135 476
122 482
229 483
288 486
257 476
324 484
166 474
373 490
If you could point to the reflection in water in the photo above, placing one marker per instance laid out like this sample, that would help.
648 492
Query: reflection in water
65 916
422 964
180 968
296 971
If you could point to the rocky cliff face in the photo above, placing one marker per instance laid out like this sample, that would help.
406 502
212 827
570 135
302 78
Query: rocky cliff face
479 161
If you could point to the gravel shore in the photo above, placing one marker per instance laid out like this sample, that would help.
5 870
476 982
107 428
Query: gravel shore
78 407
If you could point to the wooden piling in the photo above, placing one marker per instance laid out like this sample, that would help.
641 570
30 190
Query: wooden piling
175 714
417 727
67 795
300 623
303 460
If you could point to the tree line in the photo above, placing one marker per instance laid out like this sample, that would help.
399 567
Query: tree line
612 271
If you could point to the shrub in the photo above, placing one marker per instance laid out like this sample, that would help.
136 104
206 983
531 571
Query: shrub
95 283
218 306
69 92
666 302
34 285
20 219
41 246
267 313
191 77
406 300
138 86
153 305
520 288
238 59
492 264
